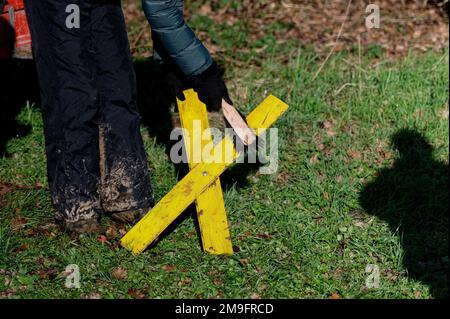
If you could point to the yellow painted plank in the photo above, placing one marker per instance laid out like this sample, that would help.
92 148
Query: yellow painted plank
177 200
197 180
266 114
211 214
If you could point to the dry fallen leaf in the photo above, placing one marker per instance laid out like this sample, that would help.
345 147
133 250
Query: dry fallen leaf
119 273
218 282
102 239
48 273
361 224
314 159
335 295
18 223
354 154
244 261
122 231
5 188
137 293
22 247
444 113
255 296
264 236
168 267
205 10
94 295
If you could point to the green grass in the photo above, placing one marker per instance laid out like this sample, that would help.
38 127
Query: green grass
357 185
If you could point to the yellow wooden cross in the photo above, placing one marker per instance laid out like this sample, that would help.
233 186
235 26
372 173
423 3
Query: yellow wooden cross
202 183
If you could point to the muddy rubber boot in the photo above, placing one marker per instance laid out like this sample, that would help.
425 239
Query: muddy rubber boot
84 226
130 217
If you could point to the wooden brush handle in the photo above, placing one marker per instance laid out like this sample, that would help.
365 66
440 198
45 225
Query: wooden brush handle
238 124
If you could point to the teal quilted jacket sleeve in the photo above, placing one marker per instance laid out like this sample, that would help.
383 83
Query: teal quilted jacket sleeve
173 39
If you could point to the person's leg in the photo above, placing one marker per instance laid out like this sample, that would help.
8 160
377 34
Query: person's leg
69 104
125 183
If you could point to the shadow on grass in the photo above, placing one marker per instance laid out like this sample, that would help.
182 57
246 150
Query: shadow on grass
413 198
19 86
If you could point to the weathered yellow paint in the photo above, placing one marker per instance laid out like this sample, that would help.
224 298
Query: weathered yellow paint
211 214
266 114
197 181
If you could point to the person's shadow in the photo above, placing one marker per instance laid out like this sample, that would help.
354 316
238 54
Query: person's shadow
413 198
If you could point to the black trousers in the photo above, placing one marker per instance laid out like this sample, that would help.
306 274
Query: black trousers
95 155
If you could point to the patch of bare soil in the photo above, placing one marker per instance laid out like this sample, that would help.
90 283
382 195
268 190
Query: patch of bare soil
417 25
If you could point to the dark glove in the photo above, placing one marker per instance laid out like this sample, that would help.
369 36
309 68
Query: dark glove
211 88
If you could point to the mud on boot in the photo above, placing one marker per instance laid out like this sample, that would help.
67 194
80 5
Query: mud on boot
130 216
83 226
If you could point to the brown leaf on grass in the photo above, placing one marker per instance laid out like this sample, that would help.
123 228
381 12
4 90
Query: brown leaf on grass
354 154
245 235
205 10
283 177
48 230
331 133
391 274
218 282
242 93
111 232
264 236
338 272
320 146
213 48
39 185
94 295
444 112
185 282
8 293
7 281
361 224
32 232
48 273
18 223
5 188
102 239
258 270
314 159
122 231
22 247
23 288
168 267
244 261
255 296
328 127
335 295
137 293
119 273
